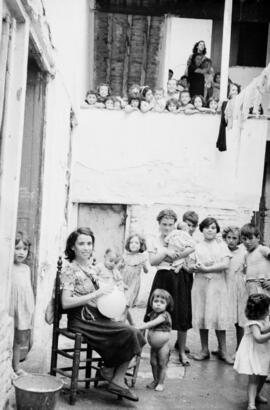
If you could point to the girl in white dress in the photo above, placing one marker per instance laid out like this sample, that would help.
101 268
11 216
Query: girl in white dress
22 299
253 355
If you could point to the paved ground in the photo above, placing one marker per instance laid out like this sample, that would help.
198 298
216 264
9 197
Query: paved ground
202 386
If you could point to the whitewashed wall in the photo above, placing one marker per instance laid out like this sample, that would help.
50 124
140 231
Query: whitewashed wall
152 159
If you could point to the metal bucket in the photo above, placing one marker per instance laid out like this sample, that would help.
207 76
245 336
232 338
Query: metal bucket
37 392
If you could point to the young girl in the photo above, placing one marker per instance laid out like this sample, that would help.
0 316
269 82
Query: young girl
252 357
22 299
159 325
135 260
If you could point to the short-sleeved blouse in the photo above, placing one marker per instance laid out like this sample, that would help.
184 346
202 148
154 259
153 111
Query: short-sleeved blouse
77 280
211 252
156 245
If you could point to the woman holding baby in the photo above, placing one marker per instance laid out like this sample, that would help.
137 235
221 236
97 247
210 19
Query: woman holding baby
178 284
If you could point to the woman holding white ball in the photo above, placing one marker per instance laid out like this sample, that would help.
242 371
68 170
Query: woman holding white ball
116 342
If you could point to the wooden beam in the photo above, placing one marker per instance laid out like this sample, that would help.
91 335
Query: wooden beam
226 46
248 11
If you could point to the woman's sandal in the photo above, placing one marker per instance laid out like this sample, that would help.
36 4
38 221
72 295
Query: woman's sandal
122 392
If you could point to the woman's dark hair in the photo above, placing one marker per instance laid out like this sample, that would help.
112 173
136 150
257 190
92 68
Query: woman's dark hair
192 217
207 222
162 293
141 240
72 238
195 48
257 306
167 213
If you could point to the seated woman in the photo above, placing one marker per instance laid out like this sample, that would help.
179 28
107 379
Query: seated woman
116 342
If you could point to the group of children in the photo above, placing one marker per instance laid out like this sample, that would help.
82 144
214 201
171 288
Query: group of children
197 91
253 352
175 99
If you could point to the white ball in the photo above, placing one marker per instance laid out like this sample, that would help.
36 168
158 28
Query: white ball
112 305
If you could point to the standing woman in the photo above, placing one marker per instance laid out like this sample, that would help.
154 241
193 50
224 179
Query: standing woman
198 48
116 342
209 293
178 285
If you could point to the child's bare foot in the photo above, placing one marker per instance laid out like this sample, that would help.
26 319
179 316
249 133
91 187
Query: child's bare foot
152 385
159 387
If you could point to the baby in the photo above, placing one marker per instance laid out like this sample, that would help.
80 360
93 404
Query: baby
108 272
180 240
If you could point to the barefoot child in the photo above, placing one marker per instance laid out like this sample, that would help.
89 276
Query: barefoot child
252 357
22 299
159 325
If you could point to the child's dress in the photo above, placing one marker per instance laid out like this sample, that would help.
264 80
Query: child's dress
253 357
22 298
235 279
133 264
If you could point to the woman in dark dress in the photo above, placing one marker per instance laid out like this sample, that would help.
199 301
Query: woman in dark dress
178 285
196 76
116 342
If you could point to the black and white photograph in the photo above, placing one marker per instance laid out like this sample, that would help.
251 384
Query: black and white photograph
135 204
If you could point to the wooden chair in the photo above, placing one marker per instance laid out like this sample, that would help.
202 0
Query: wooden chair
90 363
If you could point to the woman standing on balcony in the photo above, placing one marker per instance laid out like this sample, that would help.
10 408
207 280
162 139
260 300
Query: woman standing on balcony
177 284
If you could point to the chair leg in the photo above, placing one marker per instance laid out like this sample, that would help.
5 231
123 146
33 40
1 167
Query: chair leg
75 369
99 364
88 369
54 353
135 371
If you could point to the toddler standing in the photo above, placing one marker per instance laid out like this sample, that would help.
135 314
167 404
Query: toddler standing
22 298
159 325
252 357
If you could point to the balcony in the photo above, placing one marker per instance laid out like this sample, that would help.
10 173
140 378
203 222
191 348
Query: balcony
167 159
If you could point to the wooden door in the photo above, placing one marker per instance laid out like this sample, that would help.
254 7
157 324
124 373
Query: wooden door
108 223
29 205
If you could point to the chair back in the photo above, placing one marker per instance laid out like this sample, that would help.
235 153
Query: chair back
57 298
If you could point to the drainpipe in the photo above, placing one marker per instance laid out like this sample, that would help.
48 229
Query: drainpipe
226 45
